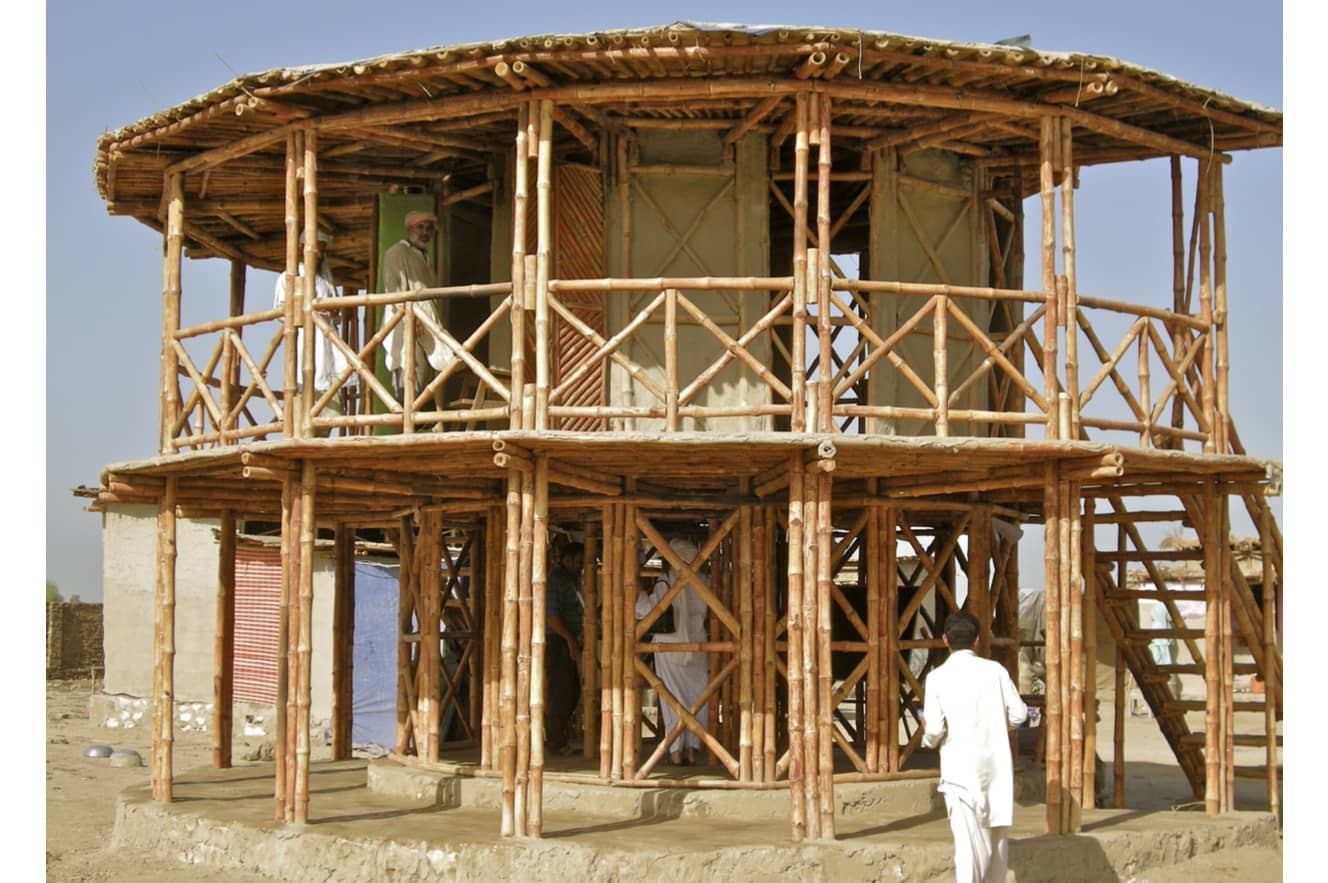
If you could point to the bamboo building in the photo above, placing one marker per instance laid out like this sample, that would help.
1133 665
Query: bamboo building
643 247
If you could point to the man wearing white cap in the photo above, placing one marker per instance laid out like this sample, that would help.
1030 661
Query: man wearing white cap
329 361
406 267
684 674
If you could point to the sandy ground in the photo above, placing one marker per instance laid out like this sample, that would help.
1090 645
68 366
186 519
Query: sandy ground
81 797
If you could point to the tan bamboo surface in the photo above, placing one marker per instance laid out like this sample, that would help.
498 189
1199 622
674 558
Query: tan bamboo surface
170 311
163 733
1047 155
223 655
1271 684
1088 620
744 566
1118 735
1214 749
511 583
343 639
524 687
1078 660
615 613
304 646
538 689
1052 516
629 574
589 666
797 774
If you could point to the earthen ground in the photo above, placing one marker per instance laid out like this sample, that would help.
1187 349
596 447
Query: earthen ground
220 829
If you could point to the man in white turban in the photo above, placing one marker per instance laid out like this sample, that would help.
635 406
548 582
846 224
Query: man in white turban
406 267
329 361
684 674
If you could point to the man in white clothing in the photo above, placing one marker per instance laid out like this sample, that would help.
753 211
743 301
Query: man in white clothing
406 267
970 706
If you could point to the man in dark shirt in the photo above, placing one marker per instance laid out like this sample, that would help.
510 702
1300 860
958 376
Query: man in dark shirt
563 615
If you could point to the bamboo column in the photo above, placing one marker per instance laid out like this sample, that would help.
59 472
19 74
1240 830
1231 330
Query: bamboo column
631 573
890 637
1118 735
1208 396
797 773
798 370
824 585
230 371
1047 151
539 577
589 645
1222 427
477 604
163 718
744 586
824 360
290 554
610 671
1180 299
406 611
876 647
979 581
428 606
811 762
1088 798
223 655
170 309
518 314
343 640
491 727
304 647
290 372
1228 675
1052 718
1074 588
1272 685
1214 748
544 202
940 356
758 552
524 687
308 282
511 587
1070 317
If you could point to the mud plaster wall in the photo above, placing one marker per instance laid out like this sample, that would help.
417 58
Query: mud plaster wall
693 225
926 228
129 546
73 640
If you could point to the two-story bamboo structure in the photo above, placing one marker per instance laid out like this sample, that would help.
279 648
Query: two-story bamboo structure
656 330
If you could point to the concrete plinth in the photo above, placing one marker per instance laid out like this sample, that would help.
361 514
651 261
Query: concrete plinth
447 829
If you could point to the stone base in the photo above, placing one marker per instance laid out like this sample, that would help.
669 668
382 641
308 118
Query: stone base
413 826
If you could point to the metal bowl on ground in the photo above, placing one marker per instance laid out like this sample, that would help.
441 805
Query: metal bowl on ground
97 751
126 758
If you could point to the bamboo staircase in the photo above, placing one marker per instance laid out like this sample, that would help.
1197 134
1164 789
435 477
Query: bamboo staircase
1253 649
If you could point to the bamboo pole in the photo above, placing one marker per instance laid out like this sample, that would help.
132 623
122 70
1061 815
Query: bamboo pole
1213 743
798 369
163 738
511 580
1075 589
1118 734
538 675
611 634
289 514
810 688
406 611
477 603
890 640
941 365
428 580
304 649
230 362
1208 395
744 584
223 655
615 586
871 550
1071 317
518 316
796 769
1228 676
170 309
671 360
491 727
544 203
590 643
825 360
1178 272
1222 425
1047 151
824 586
759 587
1272 685
630 583
1067 745
770 615
1088 800
1052 710
524 687
290 362
343 640
308 285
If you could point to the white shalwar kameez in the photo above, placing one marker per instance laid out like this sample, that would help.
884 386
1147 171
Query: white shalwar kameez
329 361
970 707
684 674
407 268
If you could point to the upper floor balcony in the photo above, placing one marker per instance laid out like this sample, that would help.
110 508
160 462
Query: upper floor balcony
725 234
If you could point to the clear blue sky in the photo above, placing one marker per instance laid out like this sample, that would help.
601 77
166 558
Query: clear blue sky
117 63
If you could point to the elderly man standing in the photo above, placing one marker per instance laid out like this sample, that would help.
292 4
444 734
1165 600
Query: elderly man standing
406 267
970 707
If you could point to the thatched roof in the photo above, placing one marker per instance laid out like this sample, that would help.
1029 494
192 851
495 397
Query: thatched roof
414 117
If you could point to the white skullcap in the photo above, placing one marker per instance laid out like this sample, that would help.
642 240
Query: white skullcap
683 548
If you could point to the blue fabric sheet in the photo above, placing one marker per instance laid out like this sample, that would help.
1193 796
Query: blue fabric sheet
373 680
